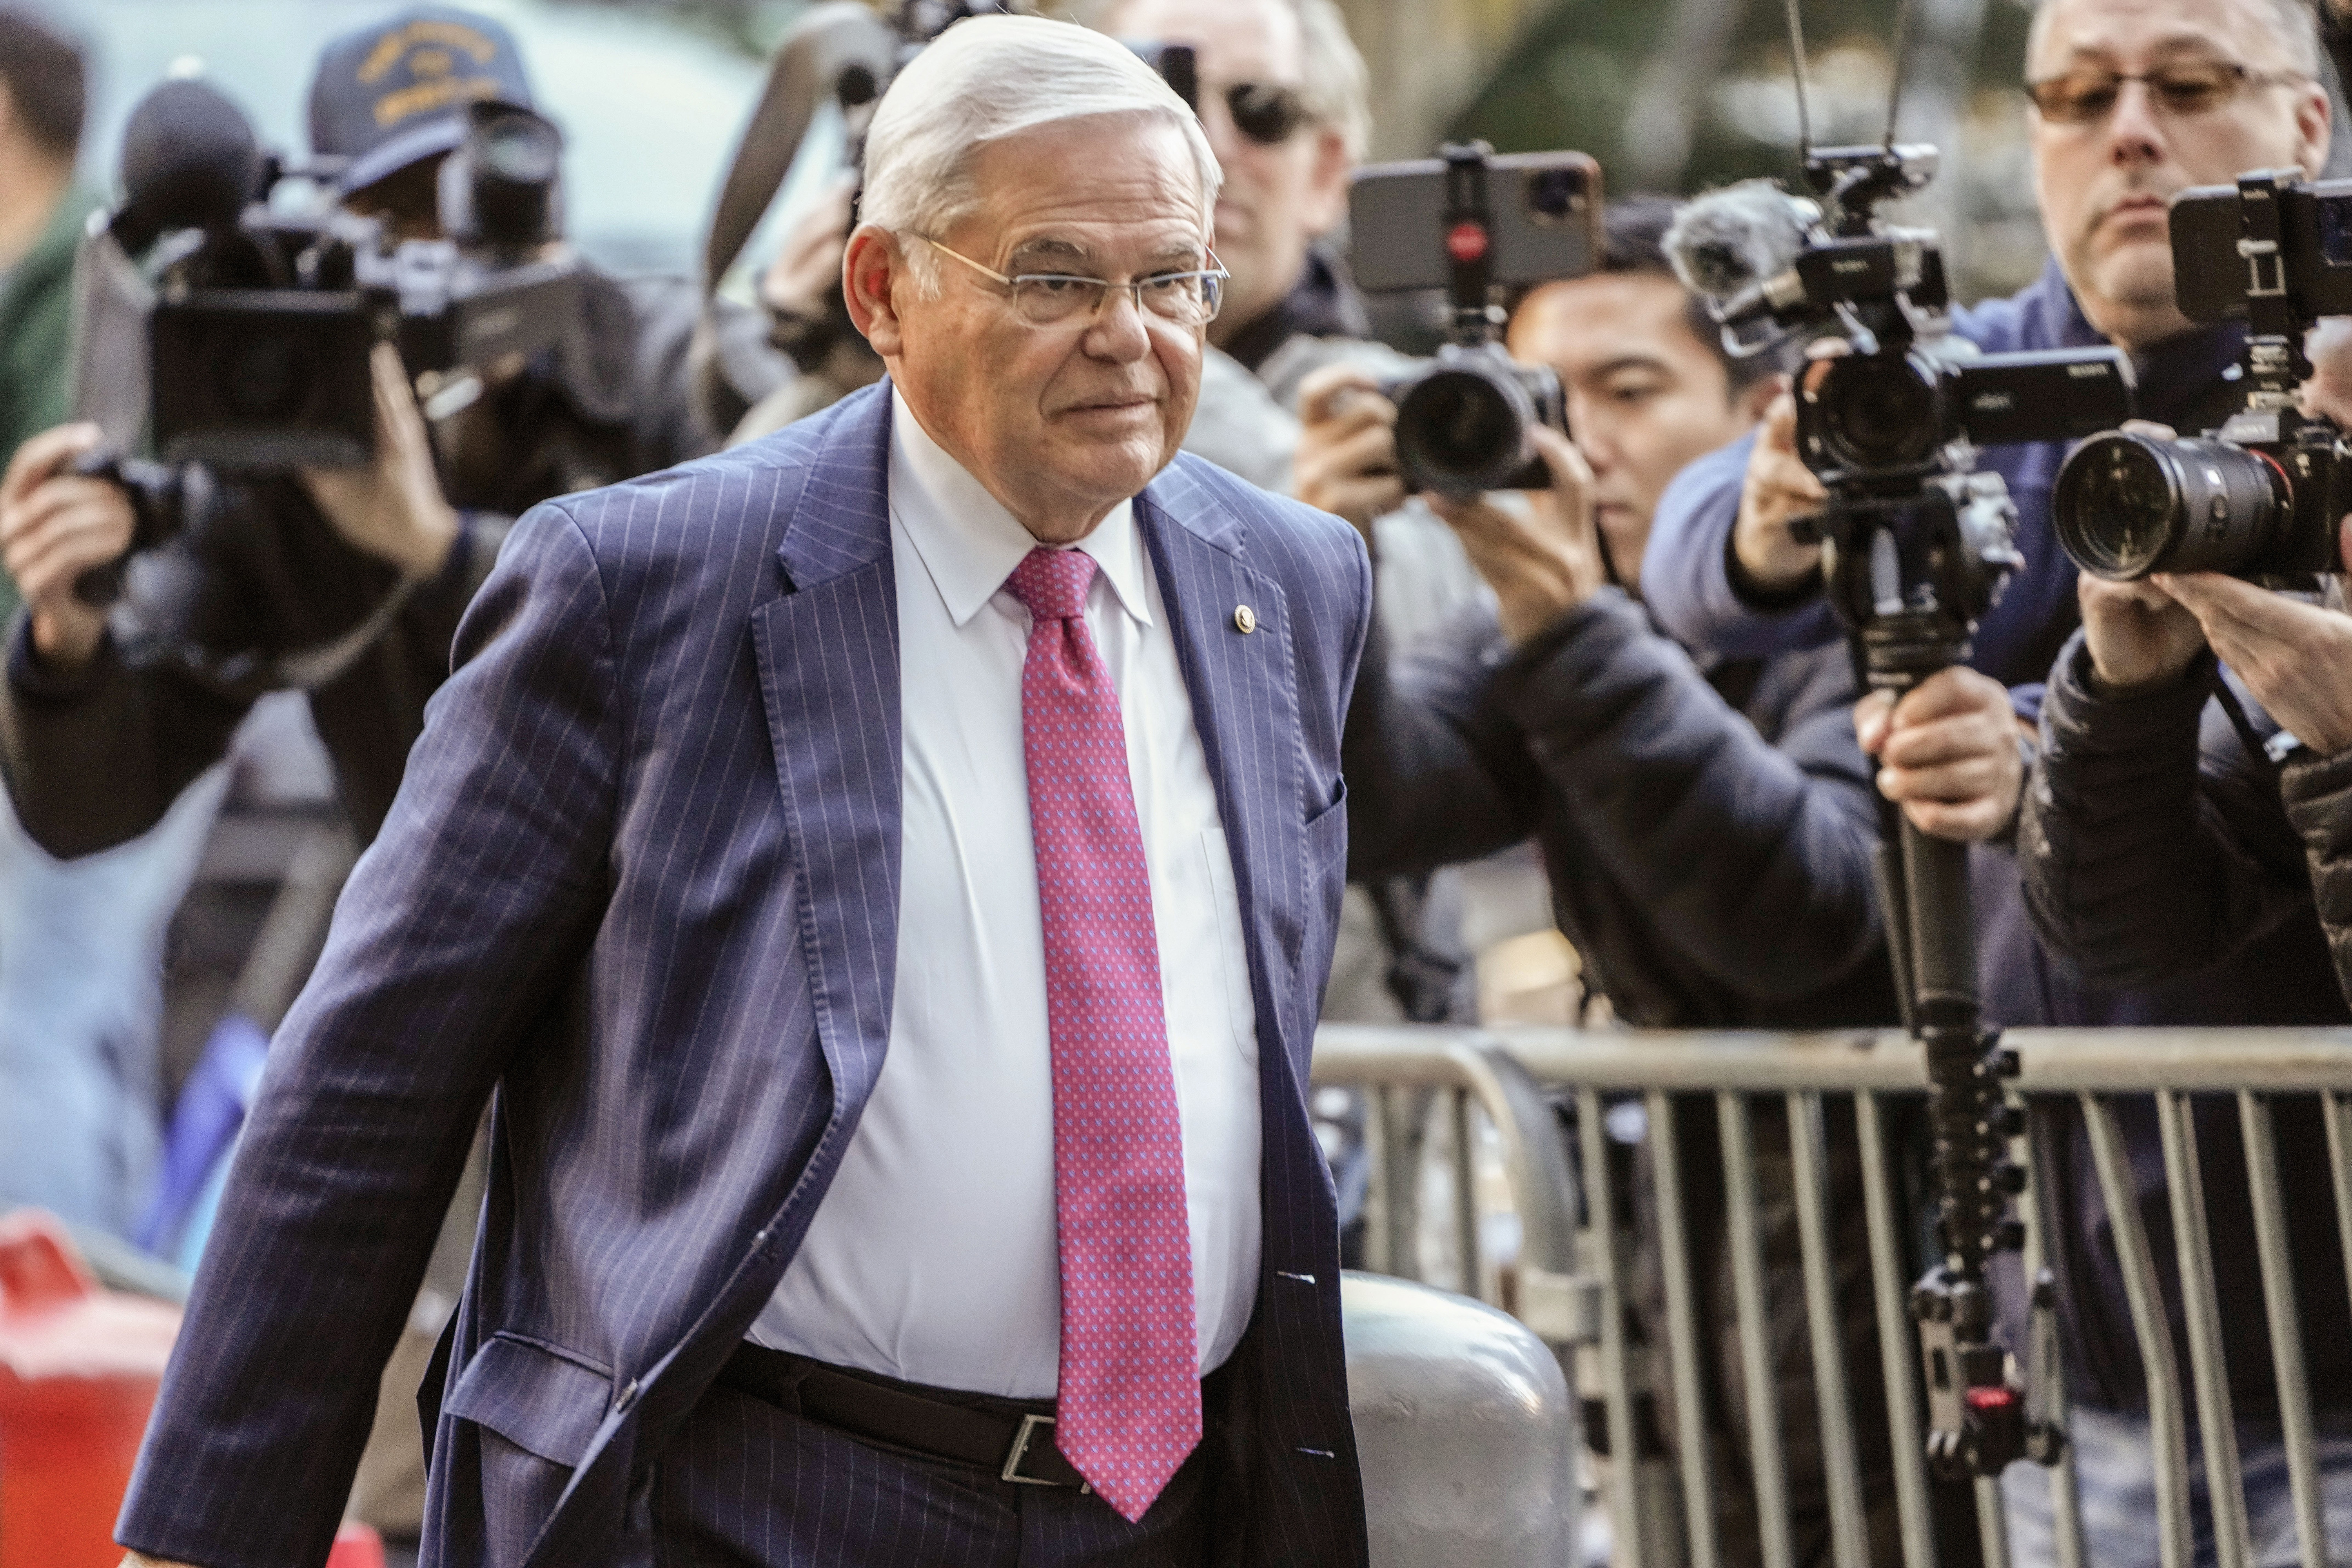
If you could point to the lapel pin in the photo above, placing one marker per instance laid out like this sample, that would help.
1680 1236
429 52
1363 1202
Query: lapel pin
1245 619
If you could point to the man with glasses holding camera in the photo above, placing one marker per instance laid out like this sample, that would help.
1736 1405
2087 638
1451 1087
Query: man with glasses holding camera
2132 101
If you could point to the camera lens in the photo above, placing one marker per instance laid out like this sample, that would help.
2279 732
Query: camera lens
1879 412
500 189
1554 194
2125 506
1464 428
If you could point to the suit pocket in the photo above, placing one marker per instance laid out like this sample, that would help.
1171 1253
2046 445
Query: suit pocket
543 1400
1327 836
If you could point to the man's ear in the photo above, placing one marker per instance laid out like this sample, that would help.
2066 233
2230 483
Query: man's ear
1327 185
871 269
2313 113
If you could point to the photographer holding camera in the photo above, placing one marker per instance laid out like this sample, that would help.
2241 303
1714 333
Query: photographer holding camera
1562 713
346 581
2132 103
2189 815
374 561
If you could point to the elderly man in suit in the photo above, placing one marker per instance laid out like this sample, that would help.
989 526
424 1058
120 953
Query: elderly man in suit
881 879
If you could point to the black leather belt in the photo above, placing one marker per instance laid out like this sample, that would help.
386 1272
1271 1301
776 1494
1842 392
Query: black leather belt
1012 1437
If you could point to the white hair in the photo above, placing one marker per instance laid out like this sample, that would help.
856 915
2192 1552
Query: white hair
988 79
2294 22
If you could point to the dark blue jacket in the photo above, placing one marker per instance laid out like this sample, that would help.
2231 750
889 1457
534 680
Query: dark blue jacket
2155 845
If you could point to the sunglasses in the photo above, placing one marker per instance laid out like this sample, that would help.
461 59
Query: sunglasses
2182 90
1266 114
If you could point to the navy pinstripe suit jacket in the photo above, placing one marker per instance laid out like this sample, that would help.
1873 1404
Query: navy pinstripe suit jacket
642 879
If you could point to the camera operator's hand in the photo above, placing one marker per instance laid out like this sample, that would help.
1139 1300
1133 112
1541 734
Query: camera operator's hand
54 526
2295 657
2139 635
1779 489
1541 562
805 279
1947 753
391 507
1346 461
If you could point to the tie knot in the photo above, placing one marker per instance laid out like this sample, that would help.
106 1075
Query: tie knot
1053 583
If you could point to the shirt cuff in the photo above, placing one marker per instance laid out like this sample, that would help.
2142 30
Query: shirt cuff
38 680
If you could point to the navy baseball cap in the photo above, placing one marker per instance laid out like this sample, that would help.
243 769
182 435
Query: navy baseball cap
390 94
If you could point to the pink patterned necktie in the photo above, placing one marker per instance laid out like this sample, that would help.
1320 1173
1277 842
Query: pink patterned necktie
1130 1403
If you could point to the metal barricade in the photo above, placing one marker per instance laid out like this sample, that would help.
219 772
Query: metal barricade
1570 1287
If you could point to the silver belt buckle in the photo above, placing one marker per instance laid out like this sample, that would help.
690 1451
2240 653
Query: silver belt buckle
1030 1425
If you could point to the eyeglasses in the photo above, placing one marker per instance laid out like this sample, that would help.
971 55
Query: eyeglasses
1187 299
1266 114
2184 90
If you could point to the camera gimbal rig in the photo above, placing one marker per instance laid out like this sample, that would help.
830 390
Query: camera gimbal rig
1915 549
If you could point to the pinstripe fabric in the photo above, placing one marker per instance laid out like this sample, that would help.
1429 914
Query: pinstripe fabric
642 880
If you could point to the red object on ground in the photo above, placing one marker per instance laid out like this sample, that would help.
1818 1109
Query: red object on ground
357 1546
79 1369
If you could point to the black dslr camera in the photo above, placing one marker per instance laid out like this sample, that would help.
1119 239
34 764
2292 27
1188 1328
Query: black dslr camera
1472 223
2262 496
263 317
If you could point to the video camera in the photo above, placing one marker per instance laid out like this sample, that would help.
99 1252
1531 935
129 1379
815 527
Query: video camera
1890 424
1472 223
264 315
2262 496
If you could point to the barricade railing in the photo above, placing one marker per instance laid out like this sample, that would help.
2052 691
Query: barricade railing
1570 1281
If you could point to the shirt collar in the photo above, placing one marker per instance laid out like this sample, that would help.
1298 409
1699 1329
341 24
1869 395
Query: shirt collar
970 543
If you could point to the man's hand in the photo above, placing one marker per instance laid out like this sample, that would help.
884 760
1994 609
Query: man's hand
1541 562
805 281
2295 657
1346 461
2140 636
1779 489
390 508
54 526
1947 753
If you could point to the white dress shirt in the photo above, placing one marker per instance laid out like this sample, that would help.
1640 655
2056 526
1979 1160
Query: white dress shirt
933 1257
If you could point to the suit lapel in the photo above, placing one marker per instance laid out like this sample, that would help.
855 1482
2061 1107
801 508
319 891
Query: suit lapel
828 655
1244 696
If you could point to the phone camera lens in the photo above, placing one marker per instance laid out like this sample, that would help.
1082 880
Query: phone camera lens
1555 195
